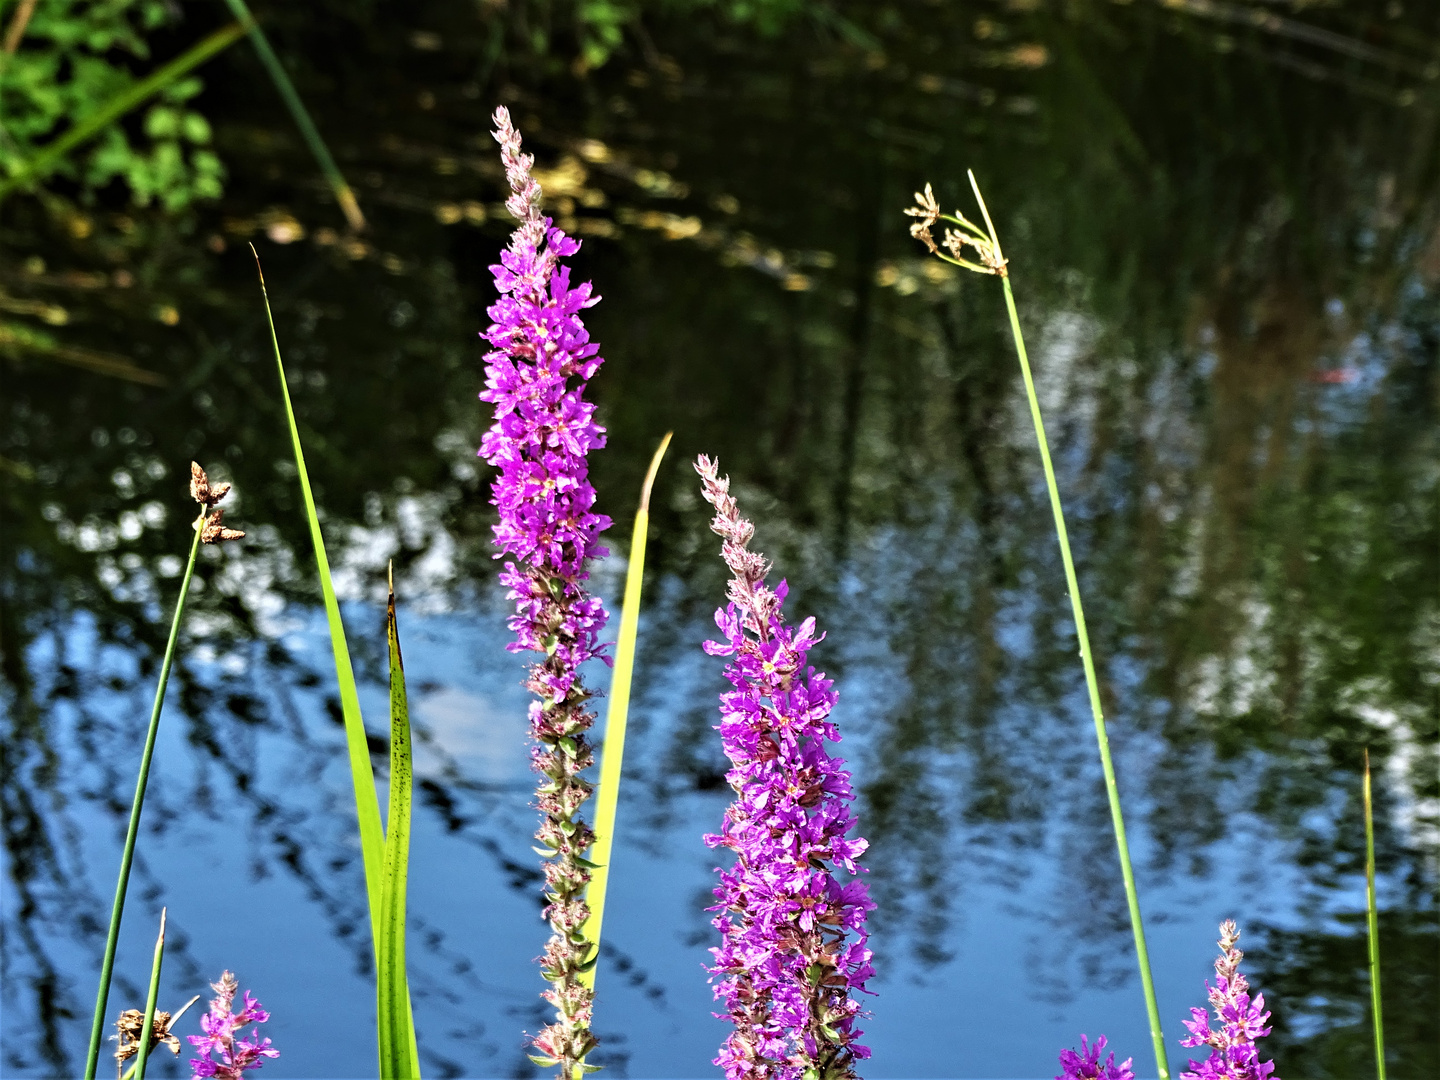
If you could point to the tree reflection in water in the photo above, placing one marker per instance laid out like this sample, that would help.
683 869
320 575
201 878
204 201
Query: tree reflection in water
1230 247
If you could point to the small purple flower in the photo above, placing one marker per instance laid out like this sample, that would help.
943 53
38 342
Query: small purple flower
223 1035
1086 1065
794 942
535 375
1241 1021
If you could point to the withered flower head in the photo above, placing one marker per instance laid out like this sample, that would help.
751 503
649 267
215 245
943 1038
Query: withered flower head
213 532
926 207
986 259
990 258
131 1025
928 211
202 491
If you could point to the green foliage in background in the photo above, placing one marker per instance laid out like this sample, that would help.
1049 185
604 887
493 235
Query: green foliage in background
76 55
601 24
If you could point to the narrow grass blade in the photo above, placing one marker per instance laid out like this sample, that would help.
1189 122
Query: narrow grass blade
613 755
1102 738
24 339
367 805
1372 924
16 30
343 194
392 1000
148 1030
38 167
127 856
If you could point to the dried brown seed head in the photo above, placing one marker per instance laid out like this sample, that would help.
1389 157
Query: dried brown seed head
926 208
214 532
201 490
199 484
131 1024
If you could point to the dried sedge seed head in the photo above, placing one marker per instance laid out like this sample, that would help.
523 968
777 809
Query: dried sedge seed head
928 211
926 208
201 490
131 1024
213 532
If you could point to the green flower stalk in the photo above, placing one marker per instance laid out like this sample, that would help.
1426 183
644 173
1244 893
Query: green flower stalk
968 246
1372 926
209 529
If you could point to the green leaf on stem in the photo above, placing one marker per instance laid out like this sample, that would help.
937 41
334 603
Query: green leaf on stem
392 999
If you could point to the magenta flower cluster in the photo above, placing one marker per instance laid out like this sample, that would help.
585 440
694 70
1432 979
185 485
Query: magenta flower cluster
1240 1020
223 1036
1086 1065
794 939
535 375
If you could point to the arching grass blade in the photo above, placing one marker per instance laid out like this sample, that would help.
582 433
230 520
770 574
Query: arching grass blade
392 1001
367 805
362 776
308 131
613 754
1372 925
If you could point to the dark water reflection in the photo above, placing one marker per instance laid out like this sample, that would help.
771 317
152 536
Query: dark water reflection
1226 245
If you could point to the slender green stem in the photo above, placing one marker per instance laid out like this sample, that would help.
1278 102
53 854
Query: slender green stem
1372 925
308 131
147 1032
47 159
1116 817
613 756
117 910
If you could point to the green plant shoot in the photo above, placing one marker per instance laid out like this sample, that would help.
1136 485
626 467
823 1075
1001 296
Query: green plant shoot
613 755
392 1004
148 1031
991 260
1372 925
362 776
367 805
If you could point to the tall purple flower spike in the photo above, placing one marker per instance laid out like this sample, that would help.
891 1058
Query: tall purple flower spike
235 1054
1241 1021
535 374
794 944
1086 1065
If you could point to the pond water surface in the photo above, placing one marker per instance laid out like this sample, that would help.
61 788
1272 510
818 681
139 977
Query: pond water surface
1225 241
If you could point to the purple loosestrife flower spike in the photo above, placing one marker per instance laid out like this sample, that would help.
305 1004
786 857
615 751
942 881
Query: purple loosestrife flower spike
794 939
535 375
1086 1065
1240 1022
223 1035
